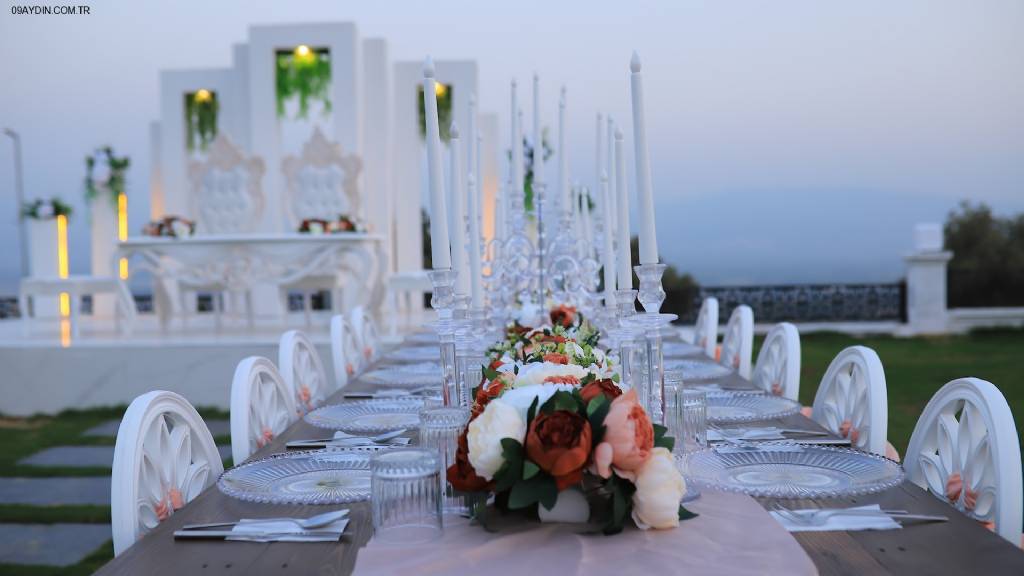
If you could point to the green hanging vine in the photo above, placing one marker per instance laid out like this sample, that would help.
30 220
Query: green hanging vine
201 108
444 110
303 73
115 180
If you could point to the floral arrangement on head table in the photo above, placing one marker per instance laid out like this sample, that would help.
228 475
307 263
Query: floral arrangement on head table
549 416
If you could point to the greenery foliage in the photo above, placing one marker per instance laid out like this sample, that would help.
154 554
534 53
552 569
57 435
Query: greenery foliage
201 110
45 209
444 111
988 257
303 73
116 176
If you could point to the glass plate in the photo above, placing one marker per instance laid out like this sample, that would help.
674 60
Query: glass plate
369 416
809 472
421 374
309 477
416 354
697 369
425 337
748 407
680 349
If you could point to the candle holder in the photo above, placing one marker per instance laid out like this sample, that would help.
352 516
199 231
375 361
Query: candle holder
651 323
538 201
624 337
443 300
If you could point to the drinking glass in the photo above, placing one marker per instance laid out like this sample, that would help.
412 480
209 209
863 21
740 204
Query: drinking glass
673 384
405 495
440 429
692 422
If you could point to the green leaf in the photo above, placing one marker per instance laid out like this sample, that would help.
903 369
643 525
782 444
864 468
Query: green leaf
532 411
596 414
529 469
590 377
548 492
522 495
685 514
490 374
561 400
666 442
659 431
511 471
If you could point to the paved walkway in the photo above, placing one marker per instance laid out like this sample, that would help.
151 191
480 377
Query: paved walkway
84 456
50 544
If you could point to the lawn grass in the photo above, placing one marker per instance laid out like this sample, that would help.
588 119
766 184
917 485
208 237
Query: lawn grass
915 368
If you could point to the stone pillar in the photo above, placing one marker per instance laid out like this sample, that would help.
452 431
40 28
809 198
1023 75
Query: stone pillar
42 263
103 223
926 282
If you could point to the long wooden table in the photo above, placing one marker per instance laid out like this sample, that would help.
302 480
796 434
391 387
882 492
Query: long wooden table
960 546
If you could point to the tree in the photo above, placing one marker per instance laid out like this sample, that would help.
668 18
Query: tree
681 290
988 257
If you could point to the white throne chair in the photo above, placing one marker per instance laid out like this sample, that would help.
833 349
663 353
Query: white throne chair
322 183
227 198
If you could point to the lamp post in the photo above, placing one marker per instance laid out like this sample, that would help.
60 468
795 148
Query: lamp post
19 196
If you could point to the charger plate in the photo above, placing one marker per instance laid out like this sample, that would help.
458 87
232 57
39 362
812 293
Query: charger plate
308 477
693 369
735 407
368 416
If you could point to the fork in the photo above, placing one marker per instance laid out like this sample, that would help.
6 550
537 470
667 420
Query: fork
820 517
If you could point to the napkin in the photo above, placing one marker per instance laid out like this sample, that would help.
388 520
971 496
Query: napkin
841 522
733 449
258 530
769 433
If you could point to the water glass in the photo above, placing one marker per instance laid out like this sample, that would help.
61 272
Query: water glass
692 419
405 488
673 384
440 429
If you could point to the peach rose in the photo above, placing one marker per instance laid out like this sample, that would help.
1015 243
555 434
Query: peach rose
556 358
597 388
628 434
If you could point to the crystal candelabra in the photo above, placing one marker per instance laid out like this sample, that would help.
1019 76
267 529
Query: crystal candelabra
443 300
624 336
651 323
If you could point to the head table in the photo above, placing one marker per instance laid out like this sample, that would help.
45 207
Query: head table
959 546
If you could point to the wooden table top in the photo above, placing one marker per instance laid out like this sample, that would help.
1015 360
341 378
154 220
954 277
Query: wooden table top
960 546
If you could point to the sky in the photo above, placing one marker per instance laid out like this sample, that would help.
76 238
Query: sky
791 141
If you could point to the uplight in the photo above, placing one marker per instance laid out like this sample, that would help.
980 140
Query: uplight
203 95
122 232
440 89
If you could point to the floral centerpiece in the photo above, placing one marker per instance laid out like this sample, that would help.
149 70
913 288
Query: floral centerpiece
344 223
171 227
549 416
40 209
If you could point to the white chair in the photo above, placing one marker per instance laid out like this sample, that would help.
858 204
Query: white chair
262 406
322 183
965 450
738 341
344 350
302 370
705 331
777 369
365 328
851 400
164 457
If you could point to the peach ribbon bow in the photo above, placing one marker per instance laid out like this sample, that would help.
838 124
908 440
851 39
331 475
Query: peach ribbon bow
368 353
350 369
776 388
305 396
846 430
954 486
167 505
266 436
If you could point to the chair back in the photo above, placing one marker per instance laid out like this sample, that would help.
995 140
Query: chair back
705 331
851 400
365 328
262 406
965 450
302 370
777 369
738 340
345 353
226 190
164 457
322 183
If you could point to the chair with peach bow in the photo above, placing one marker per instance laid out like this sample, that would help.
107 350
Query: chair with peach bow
738 341
705 331
344 351
851 400
365 328
164 457
777 369
965 450
302 370
262 406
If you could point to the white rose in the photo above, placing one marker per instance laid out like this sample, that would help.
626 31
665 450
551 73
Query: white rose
499 420
45 211
521 397
537 372
659 489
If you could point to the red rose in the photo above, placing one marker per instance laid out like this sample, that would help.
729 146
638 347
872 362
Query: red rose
556 358
487 392
568 379
556 338
461 473
600 387
563 315
559 443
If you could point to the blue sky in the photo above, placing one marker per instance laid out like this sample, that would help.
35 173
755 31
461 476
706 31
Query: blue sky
792 141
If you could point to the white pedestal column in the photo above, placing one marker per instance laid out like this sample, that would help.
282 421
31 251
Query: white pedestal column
103 223
926 282
42 260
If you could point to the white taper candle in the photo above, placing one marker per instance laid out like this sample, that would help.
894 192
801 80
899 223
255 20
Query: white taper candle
563 159
644 192
538 137
609 250
516 148
475 266
457 212
440 251
613 220
599 167
625 262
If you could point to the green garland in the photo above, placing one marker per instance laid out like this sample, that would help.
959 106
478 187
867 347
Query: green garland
115 182
201 108
303 73
444 111
32 210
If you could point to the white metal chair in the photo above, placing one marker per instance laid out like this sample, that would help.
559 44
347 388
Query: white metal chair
164 457
738 340
778 363
262 406
344 350
965 450
705 331
851 400
302 370
365 328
